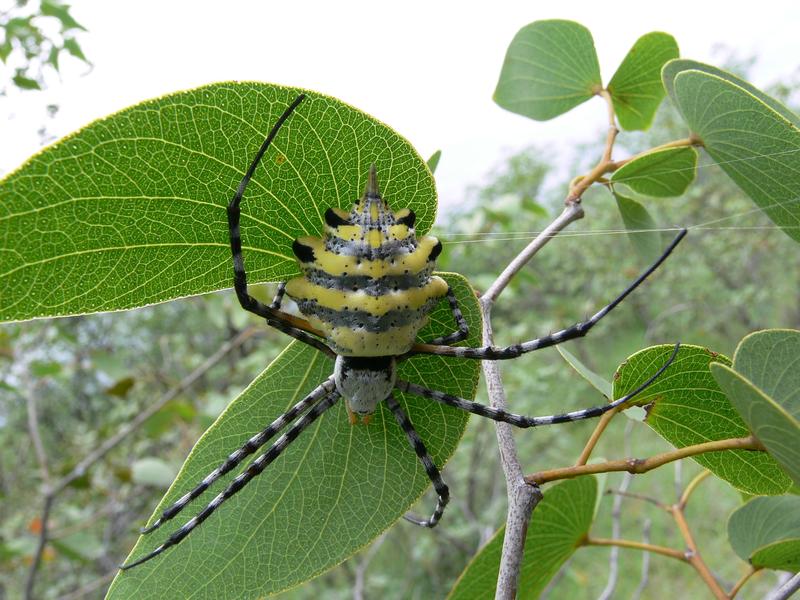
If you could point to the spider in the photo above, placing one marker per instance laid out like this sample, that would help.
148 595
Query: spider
365 291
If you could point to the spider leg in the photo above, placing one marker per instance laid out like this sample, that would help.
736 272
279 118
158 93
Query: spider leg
522 420
253 469
576 331
236 457
274 317
461 323
430 468
278 299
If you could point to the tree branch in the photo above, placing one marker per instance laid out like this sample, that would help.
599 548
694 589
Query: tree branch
642 465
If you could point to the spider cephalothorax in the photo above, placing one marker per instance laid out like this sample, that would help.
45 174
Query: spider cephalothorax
366 290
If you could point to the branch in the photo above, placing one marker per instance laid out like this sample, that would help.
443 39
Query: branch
744 579
522 497
645 573
80 469
41 457
51 491
664 551
643 465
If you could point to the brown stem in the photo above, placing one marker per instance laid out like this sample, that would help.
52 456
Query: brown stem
693 555
639 497
676 554
602 423
580 185
744 579
642 465
698 479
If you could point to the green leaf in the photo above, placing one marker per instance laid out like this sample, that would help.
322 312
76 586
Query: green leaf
25 83
771 360
52 8
685 406
336 487
673 67
121 387
433 161
599 383
45 368
559 523
660 173
550 68
152 471
756 145
71 45
131 210
766 532
81 545
770 423
636 89
638 222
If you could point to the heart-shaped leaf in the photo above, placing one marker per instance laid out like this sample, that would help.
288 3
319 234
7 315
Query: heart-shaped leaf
660 173
550 68
333 490
636 89
685 406
131 209
561 520
766 532
755 144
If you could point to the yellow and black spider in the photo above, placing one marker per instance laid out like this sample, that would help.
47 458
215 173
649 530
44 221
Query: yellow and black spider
365 291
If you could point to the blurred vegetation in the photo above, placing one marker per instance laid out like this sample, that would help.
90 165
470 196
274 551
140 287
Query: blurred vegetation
85 377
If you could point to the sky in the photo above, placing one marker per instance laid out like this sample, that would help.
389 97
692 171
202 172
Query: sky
427 69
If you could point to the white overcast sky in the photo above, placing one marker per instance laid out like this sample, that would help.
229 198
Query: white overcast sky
428 69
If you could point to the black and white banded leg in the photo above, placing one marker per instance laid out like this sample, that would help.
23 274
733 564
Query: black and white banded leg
461 323
278 299
253 469
249 447
274 317
570 333
522 420
430 468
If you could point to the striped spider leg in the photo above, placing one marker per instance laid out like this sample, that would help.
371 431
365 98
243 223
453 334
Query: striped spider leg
365 291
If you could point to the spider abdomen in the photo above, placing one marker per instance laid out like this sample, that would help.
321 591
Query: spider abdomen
367 285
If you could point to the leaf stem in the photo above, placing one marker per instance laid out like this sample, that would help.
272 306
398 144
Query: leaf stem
672 553
742 580
642 465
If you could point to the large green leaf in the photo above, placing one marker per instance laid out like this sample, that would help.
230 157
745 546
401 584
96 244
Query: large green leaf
755 144
131 209
685 406
673 67
336 488
550 68
661 173
766 532
559 523
636 89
